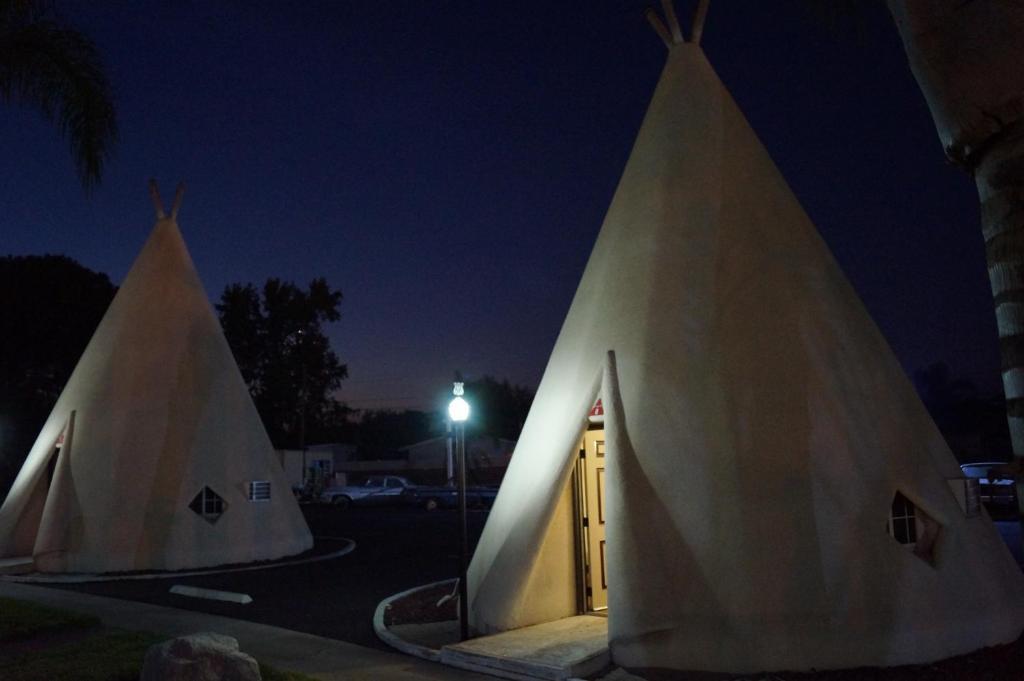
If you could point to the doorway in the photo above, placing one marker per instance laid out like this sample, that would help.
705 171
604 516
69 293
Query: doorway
590 521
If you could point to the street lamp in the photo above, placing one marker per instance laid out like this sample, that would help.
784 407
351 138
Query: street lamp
458 411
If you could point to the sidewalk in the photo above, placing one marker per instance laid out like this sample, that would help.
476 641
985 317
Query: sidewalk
559 650
318 657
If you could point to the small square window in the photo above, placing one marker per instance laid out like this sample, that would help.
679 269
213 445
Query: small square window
208 504
902 522
913 528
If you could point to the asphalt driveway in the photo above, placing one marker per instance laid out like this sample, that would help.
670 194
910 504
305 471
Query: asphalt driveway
396 548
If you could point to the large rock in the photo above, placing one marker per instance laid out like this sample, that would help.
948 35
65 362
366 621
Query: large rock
199 657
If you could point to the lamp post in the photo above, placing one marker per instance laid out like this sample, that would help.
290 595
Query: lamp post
458 411
297 342
302 421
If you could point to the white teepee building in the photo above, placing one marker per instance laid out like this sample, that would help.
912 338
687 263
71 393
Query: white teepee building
154 457
776 496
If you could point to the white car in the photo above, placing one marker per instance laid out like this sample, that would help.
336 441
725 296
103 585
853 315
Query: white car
998 493
377 489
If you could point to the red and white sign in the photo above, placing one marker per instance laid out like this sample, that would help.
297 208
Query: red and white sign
596 414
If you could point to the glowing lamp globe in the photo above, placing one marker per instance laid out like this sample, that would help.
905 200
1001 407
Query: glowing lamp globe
458 409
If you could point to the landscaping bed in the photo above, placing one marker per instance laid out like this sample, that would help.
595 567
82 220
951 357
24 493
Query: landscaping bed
420 607
45 644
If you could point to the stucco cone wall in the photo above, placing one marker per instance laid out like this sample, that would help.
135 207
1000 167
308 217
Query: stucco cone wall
757 426
155 411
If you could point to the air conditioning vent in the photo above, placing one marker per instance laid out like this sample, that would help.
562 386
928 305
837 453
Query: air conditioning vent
259 490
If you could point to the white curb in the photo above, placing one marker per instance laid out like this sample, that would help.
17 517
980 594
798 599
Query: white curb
384 634
40 578
211 594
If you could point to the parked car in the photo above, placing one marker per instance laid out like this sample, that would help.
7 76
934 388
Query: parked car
432 498
377 489
997 490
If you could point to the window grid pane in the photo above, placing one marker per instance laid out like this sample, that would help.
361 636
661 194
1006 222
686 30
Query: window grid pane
207 504
903 522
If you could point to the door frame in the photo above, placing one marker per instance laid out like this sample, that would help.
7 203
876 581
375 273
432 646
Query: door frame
579 494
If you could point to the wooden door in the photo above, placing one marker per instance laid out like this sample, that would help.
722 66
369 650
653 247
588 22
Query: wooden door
592 461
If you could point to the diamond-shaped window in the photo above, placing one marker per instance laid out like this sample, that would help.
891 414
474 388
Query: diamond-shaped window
912 527
208 504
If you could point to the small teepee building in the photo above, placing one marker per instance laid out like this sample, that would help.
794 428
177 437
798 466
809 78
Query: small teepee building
154 457
766 491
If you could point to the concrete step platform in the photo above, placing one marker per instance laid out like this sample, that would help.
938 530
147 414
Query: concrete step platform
566 648
432 635
22 565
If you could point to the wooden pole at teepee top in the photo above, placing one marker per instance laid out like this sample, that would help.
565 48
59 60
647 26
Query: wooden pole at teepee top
699 15
673 21
177 200
154 194
658 27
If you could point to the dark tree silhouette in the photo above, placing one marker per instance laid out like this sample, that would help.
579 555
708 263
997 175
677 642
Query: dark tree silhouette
380 432
50 306
974 426
285 358
499 408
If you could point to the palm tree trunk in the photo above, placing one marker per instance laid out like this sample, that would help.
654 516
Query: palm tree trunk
999 176
966 57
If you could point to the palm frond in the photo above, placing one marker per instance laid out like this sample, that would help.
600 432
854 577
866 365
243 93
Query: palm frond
58 71
23 10
842 17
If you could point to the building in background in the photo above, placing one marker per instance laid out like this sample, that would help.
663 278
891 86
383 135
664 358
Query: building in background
422 463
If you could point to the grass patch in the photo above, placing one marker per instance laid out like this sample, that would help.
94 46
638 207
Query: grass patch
44 644
107 655
20 620
270 674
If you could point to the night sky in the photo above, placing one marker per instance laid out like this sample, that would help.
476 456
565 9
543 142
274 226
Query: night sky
447 165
